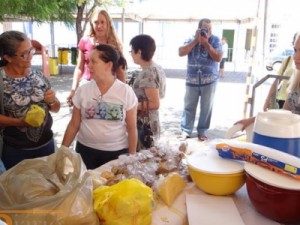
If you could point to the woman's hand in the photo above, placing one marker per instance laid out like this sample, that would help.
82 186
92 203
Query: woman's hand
6 121
23 123
246 122
267 105
69 98
51 100
49 96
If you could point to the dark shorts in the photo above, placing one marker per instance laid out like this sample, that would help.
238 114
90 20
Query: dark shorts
94 158
222 63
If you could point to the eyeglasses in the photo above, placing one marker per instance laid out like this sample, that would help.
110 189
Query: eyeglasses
27 54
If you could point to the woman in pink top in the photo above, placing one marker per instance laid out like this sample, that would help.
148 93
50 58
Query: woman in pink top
101 32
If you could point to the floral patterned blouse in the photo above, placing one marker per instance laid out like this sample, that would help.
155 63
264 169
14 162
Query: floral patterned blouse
294 101
151 77
18 95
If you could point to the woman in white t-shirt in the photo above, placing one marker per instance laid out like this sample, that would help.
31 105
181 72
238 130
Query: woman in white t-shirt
104 114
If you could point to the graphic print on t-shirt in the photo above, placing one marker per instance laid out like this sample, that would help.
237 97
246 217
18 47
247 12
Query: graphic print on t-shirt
105 111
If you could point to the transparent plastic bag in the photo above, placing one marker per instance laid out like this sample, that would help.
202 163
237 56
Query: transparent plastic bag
55 189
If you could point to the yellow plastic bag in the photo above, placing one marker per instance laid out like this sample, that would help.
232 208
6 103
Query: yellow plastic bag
35 116
128 202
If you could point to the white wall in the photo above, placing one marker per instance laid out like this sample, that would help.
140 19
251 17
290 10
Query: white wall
169 36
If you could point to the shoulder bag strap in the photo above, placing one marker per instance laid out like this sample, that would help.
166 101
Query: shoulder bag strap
286 64
1 108
142 109
145 110
147 107
1 92
279 82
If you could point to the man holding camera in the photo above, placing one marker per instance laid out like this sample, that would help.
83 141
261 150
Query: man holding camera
204 52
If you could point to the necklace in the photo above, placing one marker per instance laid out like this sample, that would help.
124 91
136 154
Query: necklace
97 42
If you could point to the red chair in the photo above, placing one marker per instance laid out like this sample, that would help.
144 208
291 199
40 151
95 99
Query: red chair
41 50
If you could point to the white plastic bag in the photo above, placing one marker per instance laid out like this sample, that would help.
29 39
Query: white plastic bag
49 190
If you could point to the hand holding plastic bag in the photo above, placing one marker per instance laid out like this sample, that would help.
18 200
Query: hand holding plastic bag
35 116
128 202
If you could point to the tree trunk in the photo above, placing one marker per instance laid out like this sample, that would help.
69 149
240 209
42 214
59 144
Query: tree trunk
79 30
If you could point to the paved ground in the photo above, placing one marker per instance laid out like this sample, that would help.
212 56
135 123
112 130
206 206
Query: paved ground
228 108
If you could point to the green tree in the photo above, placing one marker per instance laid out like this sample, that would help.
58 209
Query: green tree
71 12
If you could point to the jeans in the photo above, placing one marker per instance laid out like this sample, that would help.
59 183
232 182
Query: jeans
12 156
2 167
206 101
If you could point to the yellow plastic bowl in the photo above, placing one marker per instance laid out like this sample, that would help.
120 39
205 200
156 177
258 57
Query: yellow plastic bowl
217 184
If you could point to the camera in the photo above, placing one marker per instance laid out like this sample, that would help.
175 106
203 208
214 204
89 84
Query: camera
203 32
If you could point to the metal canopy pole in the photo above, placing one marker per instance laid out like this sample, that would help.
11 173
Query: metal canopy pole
123 24
265 29
52 39
254 55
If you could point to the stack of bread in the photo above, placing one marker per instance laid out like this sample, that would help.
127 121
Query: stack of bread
162 169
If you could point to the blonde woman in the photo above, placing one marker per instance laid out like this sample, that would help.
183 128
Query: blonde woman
293 99
292 102
286 69
101 32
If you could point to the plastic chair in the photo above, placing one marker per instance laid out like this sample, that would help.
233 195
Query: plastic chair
41 50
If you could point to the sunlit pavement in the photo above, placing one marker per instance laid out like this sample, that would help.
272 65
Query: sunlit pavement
228 106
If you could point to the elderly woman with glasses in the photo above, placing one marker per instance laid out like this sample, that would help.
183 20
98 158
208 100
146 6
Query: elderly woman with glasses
22 89
104 113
